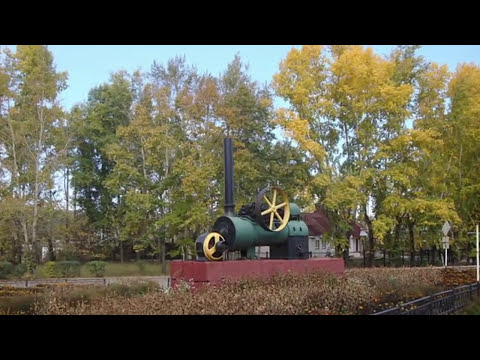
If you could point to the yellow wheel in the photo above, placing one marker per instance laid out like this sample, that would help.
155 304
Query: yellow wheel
272 208
209 246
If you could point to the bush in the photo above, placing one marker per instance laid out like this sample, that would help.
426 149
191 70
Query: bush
50 269
68 268
6 269
97 268
20 270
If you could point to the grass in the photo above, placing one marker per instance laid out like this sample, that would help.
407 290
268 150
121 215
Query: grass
133 269
472 309
118 269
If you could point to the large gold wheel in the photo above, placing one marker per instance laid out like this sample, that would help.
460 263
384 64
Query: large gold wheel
210 246
272 208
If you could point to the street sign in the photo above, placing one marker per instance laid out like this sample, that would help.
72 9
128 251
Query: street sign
445 242
446 228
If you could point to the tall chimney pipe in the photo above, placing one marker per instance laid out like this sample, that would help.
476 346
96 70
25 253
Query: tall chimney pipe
229 206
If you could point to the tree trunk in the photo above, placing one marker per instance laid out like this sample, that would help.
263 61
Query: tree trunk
36 194
371 241
51 252
67 197
411 235
346 253
164 264
28 252
13 254
121 251
17 191
364 254
74 203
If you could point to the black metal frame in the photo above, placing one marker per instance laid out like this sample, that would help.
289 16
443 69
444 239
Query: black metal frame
229 206
442 303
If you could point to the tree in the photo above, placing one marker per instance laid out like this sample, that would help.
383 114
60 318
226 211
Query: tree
95 125
462 134
32 133
346 99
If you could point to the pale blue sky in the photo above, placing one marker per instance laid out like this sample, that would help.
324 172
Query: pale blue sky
91 65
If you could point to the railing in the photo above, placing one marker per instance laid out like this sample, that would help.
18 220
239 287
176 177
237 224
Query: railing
442 303
163 281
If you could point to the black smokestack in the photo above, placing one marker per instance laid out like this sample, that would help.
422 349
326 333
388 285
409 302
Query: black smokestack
229 206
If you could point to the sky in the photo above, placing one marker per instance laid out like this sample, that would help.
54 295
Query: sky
91 65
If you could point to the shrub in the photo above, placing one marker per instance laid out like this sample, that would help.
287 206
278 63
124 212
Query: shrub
20 270
50 269
68 268
6 269
97 268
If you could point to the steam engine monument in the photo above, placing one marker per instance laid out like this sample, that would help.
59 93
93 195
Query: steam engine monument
271 221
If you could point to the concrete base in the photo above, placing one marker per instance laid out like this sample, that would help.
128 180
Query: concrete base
207 272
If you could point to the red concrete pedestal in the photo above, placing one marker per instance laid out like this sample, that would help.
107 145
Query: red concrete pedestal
203 272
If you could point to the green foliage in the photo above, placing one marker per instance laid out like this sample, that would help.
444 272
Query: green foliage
97 268
33 141
6 269
184 247
472 309
347 98
143 155
68 268
20 270
50 269
95 124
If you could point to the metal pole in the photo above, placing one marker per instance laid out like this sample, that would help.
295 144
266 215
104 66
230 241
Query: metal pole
478 269
446 261
229 206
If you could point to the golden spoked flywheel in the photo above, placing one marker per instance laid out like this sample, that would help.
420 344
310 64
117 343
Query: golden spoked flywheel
272 208
209 246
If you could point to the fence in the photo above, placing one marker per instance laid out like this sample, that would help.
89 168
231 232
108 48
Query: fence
442 303
163 281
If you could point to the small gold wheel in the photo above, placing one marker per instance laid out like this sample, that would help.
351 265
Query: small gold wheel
272 208
210 246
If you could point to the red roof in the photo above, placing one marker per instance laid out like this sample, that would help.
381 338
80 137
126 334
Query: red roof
318 224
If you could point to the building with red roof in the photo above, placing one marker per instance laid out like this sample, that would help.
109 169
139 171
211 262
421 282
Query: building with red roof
320 246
